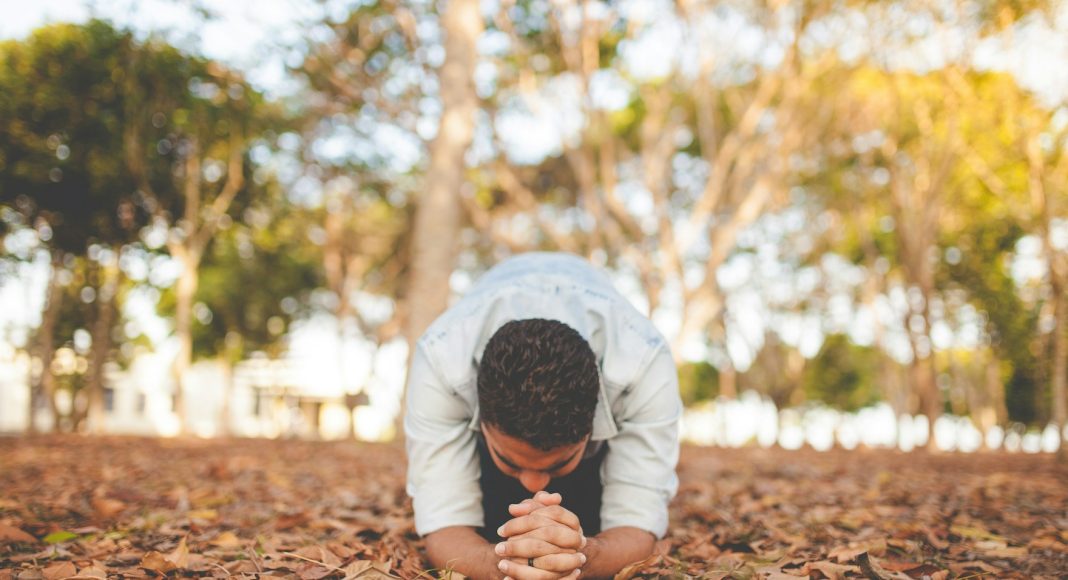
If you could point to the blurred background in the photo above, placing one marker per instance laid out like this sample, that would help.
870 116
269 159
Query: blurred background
849 218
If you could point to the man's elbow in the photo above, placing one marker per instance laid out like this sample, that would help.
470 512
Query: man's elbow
443 545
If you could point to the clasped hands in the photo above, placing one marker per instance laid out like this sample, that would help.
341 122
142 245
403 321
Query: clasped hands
543 533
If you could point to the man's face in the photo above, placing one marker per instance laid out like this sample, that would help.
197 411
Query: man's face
533 467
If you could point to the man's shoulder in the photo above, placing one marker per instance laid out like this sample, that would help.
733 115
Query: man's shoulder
544 285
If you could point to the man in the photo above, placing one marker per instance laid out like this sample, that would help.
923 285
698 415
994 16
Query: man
541 426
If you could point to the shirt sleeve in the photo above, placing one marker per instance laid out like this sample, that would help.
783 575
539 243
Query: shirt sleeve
443 468
639 469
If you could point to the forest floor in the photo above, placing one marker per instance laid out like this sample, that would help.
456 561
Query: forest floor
130 507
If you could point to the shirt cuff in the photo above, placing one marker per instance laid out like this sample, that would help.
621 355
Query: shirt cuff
432 513
634 506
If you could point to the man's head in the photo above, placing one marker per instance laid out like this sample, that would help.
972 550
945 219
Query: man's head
537 391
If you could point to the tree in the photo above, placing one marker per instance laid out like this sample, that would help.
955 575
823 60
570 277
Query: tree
256 280
1047 175
661 186
61 167
438 211
191 123
365 77
842 375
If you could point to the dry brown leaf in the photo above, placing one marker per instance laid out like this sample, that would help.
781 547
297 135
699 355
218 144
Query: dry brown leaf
93 572
829 569
1048 544
1019 552
204 514
368 570
289 521
60 570
157 562
180 555
870 566
177 559
13 535
227 540
241 567
630 570
309 571
107 508
964 568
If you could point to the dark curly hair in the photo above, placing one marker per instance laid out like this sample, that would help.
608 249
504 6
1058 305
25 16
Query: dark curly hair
538 382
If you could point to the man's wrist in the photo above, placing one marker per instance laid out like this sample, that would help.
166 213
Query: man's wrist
592 548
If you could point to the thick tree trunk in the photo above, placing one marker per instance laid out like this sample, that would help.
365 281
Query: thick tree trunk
1057 264
1059 370
1046 199
185 291
101 345
437 217
44 384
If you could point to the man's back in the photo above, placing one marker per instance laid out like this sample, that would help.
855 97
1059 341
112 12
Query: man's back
635 406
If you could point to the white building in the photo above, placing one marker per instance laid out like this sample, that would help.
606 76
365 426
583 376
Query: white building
267 398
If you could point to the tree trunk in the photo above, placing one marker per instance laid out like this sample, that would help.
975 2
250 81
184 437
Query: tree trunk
101 344
223 429
728 382
185 291
1043 200
437 217
44 384
924 378
1059 370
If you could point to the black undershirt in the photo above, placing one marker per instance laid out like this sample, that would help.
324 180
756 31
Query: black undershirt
581 490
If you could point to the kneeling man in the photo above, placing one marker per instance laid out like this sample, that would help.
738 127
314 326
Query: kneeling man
541 426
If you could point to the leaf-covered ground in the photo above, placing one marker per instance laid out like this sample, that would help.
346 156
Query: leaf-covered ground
128 507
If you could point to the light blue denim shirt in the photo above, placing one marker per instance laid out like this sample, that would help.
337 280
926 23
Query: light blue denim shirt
637 413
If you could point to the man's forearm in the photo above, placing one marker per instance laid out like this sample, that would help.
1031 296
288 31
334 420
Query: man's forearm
611 550
461 549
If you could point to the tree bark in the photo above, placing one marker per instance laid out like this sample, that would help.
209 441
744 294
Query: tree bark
1057 265
44 385
437 217
223 422
185 291
102 343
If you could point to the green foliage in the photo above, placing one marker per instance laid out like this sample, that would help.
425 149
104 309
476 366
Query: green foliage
1011 323
698 382
61 135
843 374
254 282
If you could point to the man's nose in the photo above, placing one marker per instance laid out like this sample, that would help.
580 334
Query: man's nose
534 481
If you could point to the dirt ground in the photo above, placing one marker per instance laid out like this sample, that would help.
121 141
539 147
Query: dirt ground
130 507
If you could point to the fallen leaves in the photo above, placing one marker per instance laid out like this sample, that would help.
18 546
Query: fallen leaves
136 508
13 535
176 560
59 570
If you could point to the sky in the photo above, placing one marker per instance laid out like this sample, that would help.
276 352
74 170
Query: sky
239 34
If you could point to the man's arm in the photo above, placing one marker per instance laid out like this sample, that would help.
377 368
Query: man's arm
443 468
609 551
461 549
639 469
